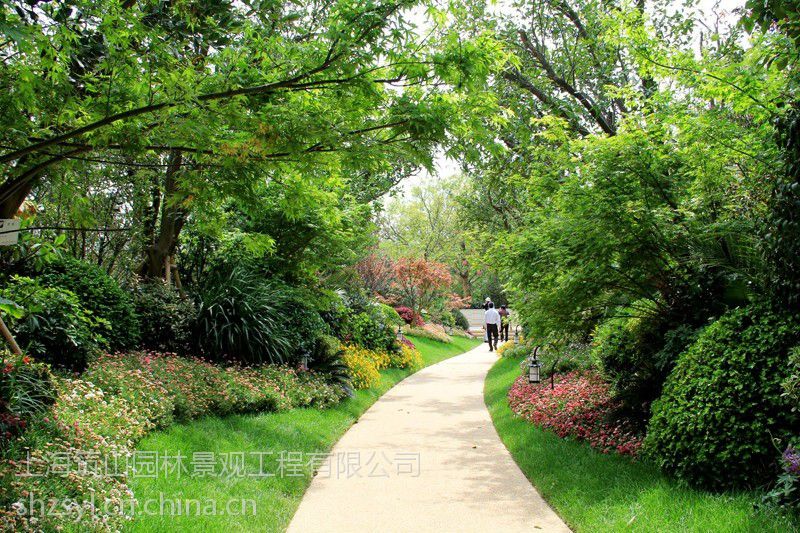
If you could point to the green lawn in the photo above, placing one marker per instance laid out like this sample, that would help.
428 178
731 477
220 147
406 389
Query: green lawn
596 492
276 498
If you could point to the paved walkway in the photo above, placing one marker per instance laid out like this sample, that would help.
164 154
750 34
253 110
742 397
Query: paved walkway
456 476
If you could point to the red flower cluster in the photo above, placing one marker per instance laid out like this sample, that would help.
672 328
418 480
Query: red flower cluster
578 406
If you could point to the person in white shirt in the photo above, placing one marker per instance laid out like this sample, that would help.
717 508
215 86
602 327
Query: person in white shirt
492 318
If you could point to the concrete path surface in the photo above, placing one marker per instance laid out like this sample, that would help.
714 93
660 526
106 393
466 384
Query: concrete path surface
426 457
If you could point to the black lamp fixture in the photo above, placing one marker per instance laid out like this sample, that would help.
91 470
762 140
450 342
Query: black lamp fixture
534 368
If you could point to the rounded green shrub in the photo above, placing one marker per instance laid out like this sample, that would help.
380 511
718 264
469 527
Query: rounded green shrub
167 319
723 403
99 293
52 325
460 321
369 331
388 315
636 355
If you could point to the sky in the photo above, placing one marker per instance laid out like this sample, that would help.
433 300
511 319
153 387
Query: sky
445 167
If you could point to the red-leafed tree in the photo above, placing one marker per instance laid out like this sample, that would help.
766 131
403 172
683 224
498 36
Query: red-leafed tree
376 273
419 282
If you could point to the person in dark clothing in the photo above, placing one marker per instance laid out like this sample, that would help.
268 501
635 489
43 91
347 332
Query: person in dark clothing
492 318
505 317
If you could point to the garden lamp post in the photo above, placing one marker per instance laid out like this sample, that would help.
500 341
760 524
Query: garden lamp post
516 335
400 335
534 368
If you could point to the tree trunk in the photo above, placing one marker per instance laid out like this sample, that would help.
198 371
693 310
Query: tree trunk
10 206
9 338
173 217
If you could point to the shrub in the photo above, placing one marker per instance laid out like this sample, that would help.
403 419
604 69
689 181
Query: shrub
459 320
52 325
100 294
723 403
516 351
636 356
409 316
362 367
389 315
579 406
166 319
303 324
566 358
369 330
791 384
445 318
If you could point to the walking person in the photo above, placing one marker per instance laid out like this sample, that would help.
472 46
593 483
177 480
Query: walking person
492 318
486 303
505 316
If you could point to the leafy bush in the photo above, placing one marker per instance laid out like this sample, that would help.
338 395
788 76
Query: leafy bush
370 331
388 315
362 367
445 318
166 319
791 385
51 324
516 351
459 320
99 293
723 403
303 323
636 356
242 317
579 406
409 316
566 358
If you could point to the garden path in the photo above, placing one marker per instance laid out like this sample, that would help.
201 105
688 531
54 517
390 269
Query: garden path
430 460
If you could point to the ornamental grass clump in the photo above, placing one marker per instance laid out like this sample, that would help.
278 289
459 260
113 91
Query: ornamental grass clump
580 406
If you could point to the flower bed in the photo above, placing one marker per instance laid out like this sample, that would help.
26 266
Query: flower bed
579 406
97 419
429 331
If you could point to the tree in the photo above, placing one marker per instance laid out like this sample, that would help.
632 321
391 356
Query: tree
418 283
376 273
205 100
427 223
